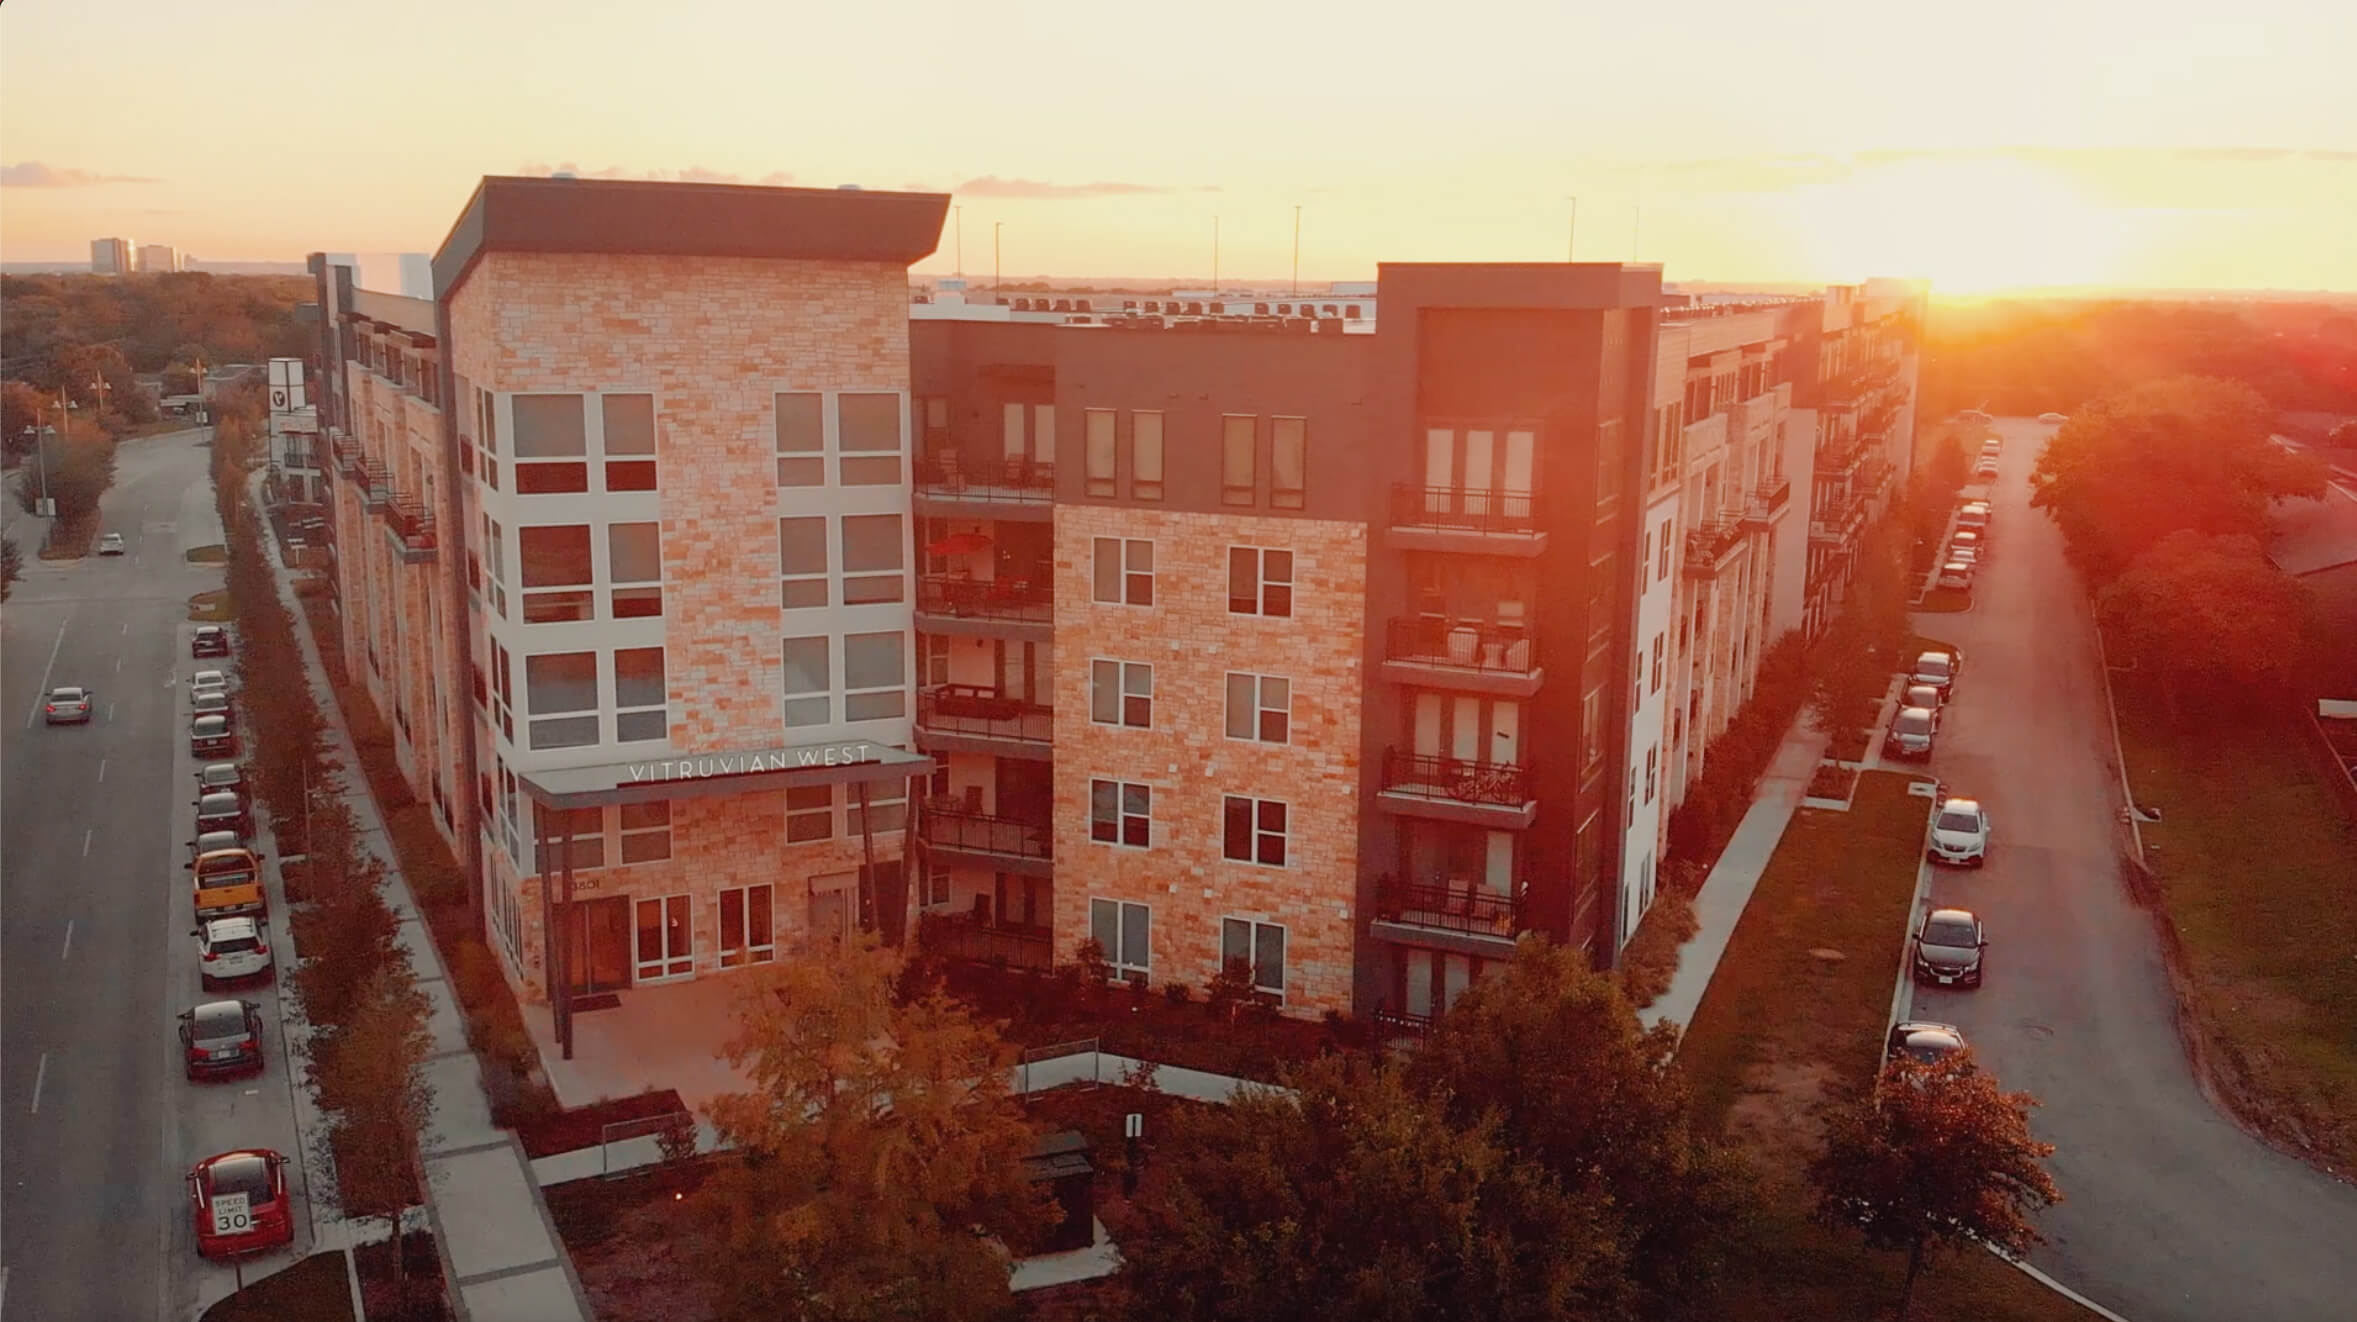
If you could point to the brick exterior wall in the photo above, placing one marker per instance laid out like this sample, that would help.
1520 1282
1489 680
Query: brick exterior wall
1193 641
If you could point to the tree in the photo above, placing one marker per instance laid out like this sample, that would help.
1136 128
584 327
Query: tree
75 468
12 566
22 410
1359 1196
2181 454
1936 1158
2211 621
878 1135
369 1071
1551 1048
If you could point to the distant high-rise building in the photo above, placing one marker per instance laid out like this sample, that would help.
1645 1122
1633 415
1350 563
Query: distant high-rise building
406 274
159 257
112 256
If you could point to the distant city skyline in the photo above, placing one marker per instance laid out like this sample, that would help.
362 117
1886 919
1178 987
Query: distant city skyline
2194 149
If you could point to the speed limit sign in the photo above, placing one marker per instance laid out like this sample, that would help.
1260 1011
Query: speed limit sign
231 1216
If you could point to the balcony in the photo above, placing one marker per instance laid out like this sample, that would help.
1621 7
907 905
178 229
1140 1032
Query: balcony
954 834
411 528
967 718
1469 656
952 485
349 461
1768 503
1454 914
1017 608
1455 789
1478 521
376 486
960 937
1712 546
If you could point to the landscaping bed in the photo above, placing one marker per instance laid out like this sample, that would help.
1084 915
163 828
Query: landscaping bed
70 538
216 554
316 1289
585 1126
1650 960
212 607
401 1281
1833 781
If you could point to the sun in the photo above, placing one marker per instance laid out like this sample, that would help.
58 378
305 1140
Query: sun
1970 225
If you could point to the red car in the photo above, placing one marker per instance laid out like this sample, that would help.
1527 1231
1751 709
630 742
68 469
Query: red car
238 1203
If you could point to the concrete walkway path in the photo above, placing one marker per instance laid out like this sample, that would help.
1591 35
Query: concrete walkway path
1719 906
501 1256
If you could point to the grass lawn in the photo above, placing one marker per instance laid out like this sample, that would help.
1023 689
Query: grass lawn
2253 855
211 608
216 554
1783 1033
313 1290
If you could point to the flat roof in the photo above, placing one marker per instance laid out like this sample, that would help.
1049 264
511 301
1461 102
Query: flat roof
653 218
660 780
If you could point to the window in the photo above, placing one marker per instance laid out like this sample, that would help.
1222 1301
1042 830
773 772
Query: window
495 544
1288 462
584 828
552 447
1122 929
802 561
634 554
1145 455
936 661
1237 446
1592 728
808 683
887 807
747 935
557 683
1125 571
1661 566
1260 707
1100 451
1259 947
1660 642
1121 693
810 813
801 441
641 701
1260 582
630 442
1253 830
1608 460
872 559
875 676
1652 763
1120 813
556 574
868 430
646 832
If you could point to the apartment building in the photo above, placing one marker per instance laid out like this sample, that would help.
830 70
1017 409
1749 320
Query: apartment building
113 256
160 257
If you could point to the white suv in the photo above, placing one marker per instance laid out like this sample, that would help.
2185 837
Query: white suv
232 950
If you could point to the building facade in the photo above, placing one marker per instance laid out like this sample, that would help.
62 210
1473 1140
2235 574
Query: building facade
113 256
159 257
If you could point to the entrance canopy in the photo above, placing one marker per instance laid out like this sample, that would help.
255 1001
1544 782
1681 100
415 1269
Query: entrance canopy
660 780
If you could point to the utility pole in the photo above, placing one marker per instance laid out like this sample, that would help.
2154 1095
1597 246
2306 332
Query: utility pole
1296 250
98 383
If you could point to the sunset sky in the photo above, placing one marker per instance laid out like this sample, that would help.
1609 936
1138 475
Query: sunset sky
2013 142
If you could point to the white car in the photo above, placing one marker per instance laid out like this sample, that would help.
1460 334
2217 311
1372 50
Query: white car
2053 417
1956 574
1938 669
1987 467
232 950
208 679
1960 833
111 544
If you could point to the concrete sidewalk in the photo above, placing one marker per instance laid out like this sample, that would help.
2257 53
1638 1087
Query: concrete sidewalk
501 1256
1720 904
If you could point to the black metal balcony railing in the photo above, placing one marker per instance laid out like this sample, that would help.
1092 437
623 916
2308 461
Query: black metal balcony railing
1464 509
1400 1021
1708 543
1463 779
1031 600
411 523
351 461
1774 493
970 709
960 828
376 485
1453 906
1431 640
1016 479
959 937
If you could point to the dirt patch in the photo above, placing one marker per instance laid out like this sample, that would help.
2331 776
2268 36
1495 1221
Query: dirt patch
585 1126
1779 1115
211 608
215 554
629 1243
403 1283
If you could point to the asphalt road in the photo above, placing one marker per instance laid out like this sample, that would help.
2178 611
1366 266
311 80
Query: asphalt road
97 1124
2172 1214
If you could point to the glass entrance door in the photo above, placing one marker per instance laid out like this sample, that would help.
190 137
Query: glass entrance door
665 939
599 952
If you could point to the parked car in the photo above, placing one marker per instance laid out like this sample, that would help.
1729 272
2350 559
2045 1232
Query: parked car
1922 1040
238 1203
209 735
111 544
1992 446
1939 670
2053 417
221 1038
208 679
211 700
232 950
1973 515
1956 574
69 705
228 884
1967 543
1911 732
1923 695
1987 467
1960 833
220 776
209 640
1948 950
223 810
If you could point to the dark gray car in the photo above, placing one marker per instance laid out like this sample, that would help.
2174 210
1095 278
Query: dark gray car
1949 950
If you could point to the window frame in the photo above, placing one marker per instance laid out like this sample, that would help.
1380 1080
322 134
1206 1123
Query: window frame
624 832
814 456
1239 490
1140 486
1257 830
1262 583
1259 710
1119 955
622 711
898 688
536 719
1127 575
824 693
1122 815
631 463
1100 452
824 814
578 594
746 951
823 576
1127 677
634 591
898 574
565 474
1282 497
1253 928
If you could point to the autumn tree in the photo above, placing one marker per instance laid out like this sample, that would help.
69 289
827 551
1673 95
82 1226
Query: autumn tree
23 409
1936 1158
74 468
2181 454
2210 622
878 1136
1551 1049
368 1070
12 566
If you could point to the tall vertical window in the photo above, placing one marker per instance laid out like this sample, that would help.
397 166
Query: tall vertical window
556 574
560 689
875 676
1260 582
1652 764
872 564
1660 642
1120 813
1257 946
1122 930
495 546
747 934
645 836
1124 571
641 700
801 440
1145 454
1101 431
552 445
1288 463
1260 708
809 683
802 561
634 553
1252 830
1121 693
1238 446
868 430
630 442
1592 728
1609 458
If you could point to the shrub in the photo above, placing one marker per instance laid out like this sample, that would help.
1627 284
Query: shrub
676 1139
1178 993
1229 990
1650 960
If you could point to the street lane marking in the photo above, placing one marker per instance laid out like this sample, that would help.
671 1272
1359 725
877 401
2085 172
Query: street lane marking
68 952
43 695
40 1076
101 780
118 665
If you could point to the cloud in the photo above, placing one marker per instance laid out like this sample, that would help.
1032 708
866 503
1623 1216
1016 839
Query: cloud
2338 157
990 185
33 174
